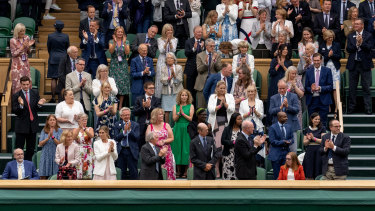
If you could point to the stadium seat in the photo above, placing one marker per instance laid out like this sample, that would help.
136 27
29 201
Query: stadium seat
295 55
258 81
305 119
3 46
157 54
35 78
190 173
164 173
131 38
157 36
36 159
53 177
300 147
118 173
29 24
5 26
261 173
181 54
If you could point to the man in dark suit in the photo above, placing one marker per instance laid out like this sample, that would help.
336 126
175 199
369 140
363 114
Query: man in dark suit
341 8
66 66
114 13
25 104
93 48
127 138
203 154
360 63
334 148
318 88
143 107
142 70
176 12
152 158
245 150
225 75
83 6
193 46
286 102
300 15
145 38
326 20
20 168
84 25
280 137
366 11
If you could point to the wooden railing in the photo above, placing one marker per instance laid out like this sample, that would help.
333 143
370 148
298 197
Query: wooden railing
339 106
6 108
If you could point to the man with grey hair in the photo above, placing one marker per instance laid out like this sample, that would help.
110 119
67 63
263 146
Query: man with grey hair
152 158
127 137
19 168
66 66
245 150
208 62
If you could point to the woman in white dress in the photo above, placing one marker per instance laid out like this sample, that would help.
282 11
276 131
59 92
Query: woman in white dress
242 59
166 43
67 111
227 17
247 11
195 6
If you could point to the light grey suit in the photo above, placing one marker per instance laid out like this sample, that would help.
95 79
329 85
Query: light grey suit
72 82
267 35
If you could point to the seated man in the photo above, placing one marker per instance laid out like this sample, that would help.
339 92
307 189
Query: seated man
20 168
225 75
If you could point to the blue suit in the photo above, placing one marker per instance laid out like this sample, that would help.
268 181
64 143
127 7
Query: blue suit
279 149
108 16
11 170
127 148
291 111
88 51
320 103
138 79
209 87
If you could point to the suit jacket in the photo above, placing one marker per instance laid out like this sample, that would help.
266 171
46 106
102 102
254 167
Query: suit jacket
191 55
107 15
101 156
202 68
82 4
132 136
336 8
65 67
57 44
11 170
364 12
226 140
334 24
325 83
244 158
23 123
340 156
72 82
336 56
145 113
364 54
298 175
138 79
177 82
73 154
84 25
169 12
291 111
149 162
99 48
210 86
200 156
304 10
278 149
140 10
267 35
141 38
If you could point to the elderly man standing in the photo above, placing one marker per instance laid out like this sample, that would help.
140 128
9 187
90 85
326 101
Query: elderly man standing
20 168
67 65
127 138
208 62
245 150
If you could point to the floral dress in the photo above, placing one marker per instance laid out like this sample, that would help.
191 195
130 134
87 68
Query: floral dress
47 165
229 31
213 35
20 63
290 89
86 154
169 164
228 161
119 69
107 119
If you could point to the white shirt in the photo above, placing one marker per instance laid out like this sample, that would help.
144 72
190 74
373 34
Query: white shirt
330 161
281 97
79 73
316 94
290 174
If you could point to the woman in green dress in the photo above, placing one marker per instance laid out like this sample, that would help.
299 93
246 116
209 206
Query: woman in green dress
182 114
119 49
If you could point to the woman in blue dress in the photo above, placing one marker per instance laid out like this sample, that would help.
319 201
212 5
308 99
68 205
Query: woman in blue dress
212 28
227 16
49 139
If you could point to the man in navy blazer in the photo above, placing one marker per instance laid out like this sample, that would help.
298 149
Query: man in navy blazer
364 11
359 46
318 91
142 70
321 24
286 102
225 75
20 168
280 137
112 20
127 138
341 8
93 48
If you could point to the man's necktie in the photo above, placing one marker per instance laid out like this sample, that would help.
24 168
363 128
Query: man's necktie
209 62
115 16
144 62
317 76
343 11
250 141
326 21
225 81
283 131
80 80
74 65
198 47
330 151
204 143
19 171
282 101
157 163
92 53
28 105
147 40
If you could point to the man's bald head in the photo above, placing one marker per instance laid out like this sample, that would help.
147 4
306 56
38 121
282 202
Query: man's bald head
202 129
18 155
247 127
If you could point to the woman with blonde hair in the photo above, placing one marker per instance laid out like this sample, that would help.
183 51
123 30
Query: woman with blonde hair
20 46
243 59
67 152
101 77
348 24
105 106
165 134
292 170
120 50
227 16
66 111
252 108
282 25
183 113
166 43
221 106
212 28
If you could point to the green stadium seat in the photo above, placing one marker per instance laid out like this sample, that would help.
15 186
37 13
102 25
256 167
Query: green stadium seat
319 177
190 173
295 55
131 38
258 81
157 36
35 78
300 147
157 54
29 24
36 159
53 177
3 46
118 173
5 26
261 173
181 54
164 173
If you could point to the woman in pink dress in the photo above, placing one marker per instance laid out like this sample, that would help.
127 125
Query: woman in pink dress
165 134
20 48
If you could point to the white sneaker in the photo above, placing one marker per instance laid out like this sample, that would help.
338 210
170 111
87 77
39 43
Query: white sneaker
48 17
55 7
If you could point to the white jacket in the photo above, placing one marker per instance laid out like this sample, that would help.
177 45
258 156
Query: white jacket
233 13
212 102
244 109
101 155
96 85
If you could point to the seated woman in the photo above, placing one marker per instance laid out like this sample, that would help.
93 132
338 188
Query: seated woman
67 155
101 77
49 138
105 155
292 170
281 41
68 110
244 59
200 116
312 161
239 91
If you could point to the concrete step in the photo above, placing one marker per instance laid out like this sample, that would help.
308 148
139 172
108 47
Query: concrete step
70 23
356 118
65 16
362 149
361 160
361 171
359 128
72 39
68 7
358 138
